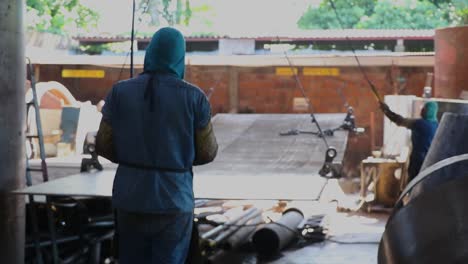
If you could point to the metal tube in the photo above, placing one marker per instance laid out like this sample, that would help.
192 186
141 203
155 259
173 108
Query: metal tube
236 226
12 118
219 228
273 237
240 237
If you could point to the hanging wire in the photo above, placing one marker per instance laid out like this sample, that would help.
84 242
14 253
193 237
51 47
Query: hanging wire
348 42
134 34
309 104
132 39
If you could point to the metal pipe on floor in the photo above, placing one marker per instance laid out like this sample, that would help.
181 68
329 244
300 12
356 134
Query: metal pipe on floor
220 228
272 238
236 226
242 235
12 117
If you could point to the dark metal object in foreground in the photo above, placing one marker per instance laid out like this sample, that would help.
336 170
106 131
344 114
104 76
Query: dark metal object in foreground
12 116
272 238
450 140
430 229
431 226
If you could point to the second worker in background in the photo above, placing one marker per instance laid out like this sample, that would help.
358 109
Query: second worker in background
422 132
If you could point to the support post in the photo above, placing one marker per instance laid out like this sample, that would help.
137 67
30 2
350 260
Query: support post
233 89
12 138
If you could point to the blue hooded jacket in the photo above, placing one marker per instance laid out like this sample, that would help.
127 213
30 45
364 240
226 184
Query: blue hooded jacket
422 132
153 118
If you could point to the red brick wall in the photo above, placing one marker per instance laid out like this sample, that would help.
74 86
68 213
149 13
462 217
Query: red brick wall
451 58
260 90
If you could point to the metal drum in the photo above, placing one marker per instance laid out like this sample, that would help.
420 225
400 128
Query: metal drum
429 222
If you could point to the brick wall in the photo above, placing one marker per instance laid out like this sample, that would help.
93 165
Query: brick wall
261 90
451 78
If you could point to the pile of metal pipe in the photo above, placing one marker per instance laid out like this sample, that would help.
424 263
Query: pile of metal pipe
216 236
241 236
273 237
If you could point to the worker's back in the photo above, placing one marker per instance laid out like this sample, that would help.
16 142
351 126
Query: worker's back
153 132
422 133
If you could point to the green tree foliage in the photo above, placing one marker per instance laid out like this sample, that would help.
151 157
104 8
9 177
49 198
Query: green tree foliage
385 14
59 16
461 10
324 17
171 12
407 15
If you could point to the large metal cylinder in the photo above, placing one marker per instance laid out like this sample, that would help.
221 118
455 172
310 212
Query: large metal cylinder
431 226
450 140
272 238
12 115
451 62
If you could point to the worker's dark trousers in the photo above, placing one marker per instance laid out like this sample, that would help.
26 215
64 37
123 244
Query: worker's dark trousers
154 238
414 167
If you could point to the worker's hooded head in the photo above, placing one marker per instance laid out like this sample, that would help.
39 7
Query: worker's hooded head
429 111
166 53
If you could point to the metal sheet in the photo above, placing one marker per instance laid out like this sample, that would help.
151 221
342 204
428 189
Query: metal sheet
253 161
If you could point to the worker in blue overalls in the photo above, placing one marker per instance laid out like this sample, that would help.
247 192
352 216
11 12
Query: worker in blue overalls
422 132
156 127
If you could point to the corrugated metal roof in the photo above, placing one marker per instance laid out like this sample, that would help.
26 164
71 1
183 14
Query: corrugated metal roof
313 35
324 60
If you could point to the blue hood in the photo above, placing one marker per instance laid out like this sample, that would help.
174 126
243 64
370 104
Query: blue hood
431 109
166 53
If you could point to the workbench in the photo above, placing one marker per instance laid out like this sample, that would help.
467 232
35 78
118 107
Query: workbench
253 162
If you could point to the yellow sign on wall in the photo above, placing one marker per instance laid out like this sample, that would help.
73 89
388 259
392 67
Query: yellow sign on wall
300 104
73 73
286 71
321 71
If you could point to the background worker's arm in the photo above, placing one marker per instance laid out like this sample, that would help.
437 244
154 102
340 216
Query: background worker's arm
396 118
206 146
104 143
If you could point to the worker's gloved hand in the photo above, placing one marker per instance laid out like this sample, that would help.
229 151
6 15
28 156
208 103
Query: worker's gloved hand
384 107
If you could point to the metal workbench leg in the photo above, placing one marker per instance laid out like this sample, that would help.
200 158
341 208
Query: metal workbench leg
35 229
53 238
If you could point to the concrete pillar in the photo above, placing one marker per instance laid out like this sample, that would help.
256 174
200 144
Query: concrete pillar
12 115
451 62
400 45
233 89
